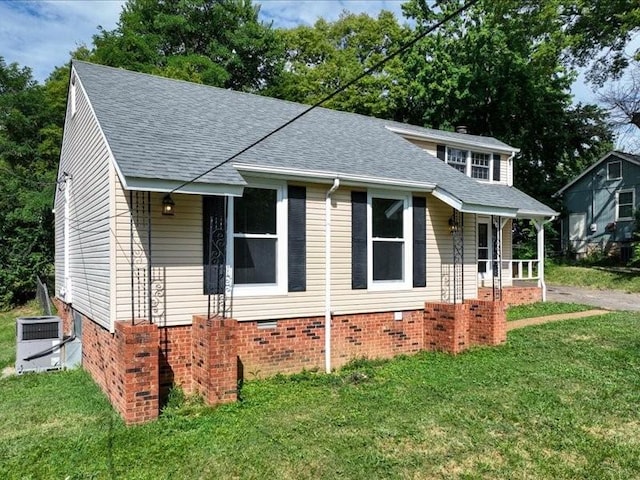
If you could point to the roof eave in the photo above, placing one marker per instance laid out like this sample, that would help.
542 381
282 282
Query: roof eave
438 138
319 176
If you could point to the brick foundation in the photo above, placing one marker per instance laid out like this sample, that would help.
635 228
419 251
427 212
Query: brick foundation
138 364
125 366
214 359
513 295
64 312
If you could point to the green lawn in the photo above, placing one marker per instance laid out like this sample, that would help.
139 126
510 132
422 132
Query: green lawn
559 401
543 309
593 277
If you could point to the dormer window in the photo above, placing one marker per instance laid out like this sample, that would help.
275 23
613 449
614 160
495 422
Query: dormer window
457 159
480 165
476 165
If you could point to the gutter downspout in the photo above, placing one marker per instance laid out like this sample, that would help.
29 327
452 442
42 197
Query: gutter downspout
510 168
327 274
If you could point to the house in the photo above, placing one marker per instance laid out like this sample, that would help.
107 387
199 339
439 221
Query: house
339 236
599 206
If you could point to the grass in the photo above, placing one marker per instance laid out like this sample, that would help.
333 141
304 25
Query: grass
603 278
543 309
559 401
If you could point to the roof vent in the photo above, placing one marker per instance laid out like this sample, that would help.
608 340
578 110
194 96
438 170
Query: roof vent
462 129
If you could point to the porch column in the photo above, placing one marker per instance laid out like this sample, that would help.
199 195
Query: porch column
539 224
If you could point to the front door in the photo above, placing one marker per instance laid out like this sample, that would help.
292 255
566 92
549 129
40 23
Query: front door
485 250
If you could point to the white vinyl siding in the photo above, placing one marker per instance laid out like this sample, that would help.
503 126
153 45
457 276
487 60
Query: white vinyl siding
84 155
177 263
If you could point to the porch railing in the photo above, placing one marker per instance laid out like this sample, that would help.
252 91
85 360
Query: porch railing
514 269
525 269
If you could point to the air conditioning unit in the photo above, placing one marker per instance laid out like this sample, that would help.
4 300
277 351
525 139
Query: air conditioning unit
38 344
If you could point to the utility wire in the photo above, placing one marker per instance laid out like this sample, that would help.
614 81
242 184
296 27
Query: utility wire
368 71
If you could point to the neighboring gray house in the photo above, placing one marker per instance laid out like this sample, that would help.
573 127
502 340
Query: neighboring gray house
599 206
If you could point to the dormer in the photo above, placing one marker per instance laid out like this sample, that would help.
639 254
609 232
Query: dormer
485 159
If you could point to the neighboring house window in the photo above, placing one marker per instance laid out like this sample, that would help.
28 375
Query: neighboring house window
614 170
480 165
457 159
625 200
389 234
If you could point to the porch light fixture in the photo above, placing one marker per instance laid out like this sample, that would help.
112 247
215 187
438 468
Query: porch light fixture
453 225
168 205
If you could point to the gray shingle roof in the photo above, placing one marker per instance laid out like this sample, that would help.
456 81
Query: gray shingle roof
166 129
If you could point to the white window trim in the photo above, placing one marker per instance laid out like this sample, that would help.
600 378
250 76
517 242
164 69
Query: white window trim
633 203
614 178
281 285
468 166
73 94
407 223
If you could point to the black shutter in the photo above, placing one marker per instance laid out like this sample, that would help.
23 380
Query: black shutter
496 167
297 241
214 239
358 240
419 242
441 149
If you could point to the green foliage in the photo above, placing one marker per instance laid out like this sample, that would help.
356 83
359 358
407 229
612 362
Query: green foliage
31 119
603 278
558 401
543 309
216 42
322 58
502 74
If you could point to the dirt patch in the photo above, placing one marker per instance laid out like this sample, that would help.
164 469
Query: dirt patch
553 318
7 372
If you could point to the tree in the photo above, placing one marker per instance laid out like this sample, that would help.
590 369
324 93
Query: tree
322 58
216 42
622 100
489 69
30 131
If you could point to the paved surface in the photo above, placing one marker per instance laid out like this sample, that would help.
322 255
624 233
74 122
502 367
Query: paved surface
525 322
608 299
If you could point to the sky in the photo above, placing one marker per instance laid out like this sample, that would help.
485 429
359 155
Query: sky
40 34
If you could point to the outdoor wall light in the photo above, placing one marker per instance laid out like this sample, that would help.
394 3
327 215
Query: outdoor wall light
453 225
168 205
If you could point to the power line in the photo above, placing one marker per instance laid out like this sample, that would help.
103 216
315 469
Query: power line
367 71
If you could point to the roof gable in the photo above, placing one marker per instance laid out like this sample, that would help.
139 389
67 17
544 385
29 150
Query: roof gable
635 159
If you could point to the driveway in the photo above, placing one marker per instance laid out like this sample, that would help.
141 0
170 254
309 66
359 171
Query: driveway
608 299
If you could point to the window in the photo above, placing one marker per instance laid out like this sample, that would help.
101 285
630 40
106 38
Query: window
624 204
480 165
457 159
390 225
477 165
259 241
614 170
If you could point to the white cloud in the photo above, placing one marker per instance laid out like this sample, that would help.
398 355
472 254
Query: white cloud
40 35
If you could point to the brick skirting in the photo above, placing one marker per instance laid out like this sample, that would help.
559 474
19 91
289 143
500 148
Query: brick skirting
138 364
513 295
